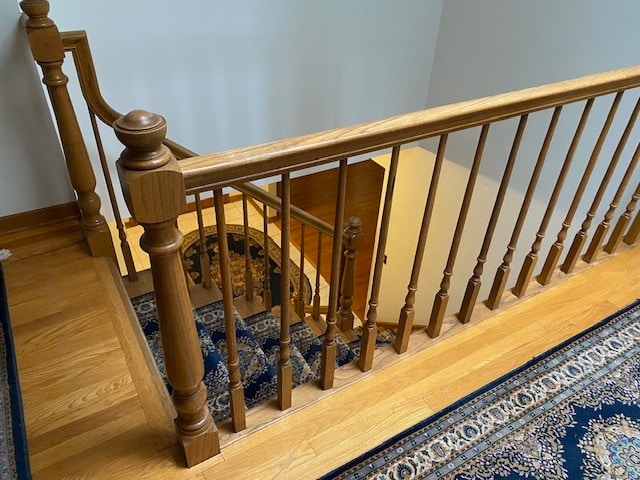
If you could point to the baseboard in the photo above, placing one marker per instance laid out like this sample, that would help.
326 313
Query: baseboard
41 216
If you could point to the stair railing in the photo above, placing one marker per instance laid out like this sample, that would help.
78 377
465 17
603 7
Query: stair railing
47 49
217 171
155 185
76 43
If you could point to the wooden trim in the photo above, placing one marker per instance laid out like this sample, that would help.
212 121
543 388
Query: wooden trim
245 164
41 216
191 206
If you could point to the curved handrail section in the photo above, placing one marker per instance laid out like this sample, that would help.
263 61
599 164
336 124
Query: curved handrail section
245 164
77 43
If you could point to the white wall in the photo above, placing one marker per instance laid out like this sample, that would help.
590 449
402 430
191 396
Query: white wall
32 172
232 74
496 46
224 74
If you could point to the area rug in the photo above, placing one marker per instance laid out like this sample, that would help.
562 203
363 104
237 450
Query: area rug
14 459
571 413
235 239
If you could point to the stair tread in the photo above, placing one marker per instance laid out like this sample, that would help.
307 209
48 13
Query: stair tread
258 341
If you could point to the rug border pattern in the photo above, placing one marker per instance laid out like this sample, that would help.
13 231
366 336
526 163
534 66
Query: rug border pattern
18 453
371 460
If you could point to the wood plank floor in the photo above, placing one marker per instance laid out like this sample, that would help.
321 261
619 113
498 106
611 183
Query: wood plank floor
84 402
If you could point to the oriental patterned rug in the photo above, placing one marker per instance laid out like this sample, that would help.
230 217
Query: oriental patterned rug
571 413
235 239
14 459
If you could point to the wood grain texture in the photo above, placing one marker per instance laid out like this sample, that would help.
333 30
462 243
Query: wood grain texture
316 194
47 50
100 431
261 161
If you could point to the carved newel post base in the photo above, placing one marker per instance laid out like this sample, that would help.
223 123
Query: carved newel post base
154 190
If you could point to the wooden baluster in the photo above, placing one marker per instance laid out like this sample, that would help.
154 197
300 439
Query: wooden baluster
555 251
632 234
205 265
603 227
370 328
153 187
581 237
623 221
405 322
267 277
236 390
316 297
352 241
328 365
46 47
474 284
531 259
132 274
248 274
301 283
285 370
442 297
502 273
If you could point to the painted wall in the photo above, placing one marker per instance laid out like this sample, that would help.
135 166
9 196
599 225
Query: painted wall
228 75
32 172
496 46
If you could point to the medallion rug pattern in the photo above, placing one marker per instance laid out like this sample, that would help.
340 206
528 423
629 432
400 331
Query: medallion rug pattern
573 412
235 241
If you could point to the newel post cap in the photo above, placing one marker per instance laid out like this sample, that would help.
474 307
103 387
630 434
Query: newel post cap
352 234
142 133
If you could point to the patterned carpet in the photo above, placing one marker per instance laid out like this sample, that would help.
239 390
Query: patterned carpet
573 412
14 459
258 349
235 240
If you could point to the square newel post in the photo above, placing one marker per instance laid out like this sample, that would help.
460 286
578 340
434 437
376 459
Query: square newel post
153 188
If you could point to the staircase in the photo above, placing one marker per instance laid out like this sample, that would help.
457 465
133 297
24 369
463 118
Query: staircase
258 340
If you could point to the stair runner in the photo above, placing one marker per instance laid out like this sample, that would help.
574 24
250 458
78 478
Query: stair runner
258 340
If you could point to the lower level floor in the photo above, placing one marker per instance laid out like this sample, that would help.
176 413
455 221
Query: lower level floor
87 406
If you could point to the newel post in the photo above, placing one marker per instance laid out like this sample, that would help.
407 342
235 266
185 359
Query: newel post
153 188
46 47
351 240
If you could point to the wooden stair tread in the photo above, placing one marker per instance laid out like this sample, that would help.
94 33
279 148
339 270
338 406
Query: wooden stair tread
201 296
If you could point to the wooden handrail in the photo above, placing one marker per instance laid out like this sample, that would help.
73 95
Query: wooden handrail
76 42
250 163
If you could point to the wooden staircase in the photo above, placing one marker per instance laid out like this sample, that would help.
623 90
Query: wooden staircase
90 409
158 177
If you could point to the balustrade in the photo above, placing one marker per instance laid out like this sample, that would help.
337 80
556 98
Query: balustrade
155 187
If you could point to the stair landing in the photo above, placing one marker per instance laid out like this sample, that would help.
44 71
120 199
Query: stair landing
84 402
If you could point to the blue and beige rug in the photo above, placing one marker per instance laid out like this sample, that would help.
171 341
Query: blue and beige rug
258 340
571 413
235 241
14 459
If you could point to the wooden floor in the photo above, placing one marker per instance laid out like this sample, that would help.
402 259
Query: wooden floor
84 405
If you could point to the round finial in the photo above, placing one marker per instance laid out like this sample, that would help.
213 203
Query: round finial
354 223
142 133
37 11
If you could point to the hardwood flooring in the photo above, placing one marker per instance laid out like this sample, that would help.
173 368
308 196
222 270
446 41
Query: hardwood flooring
86 398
